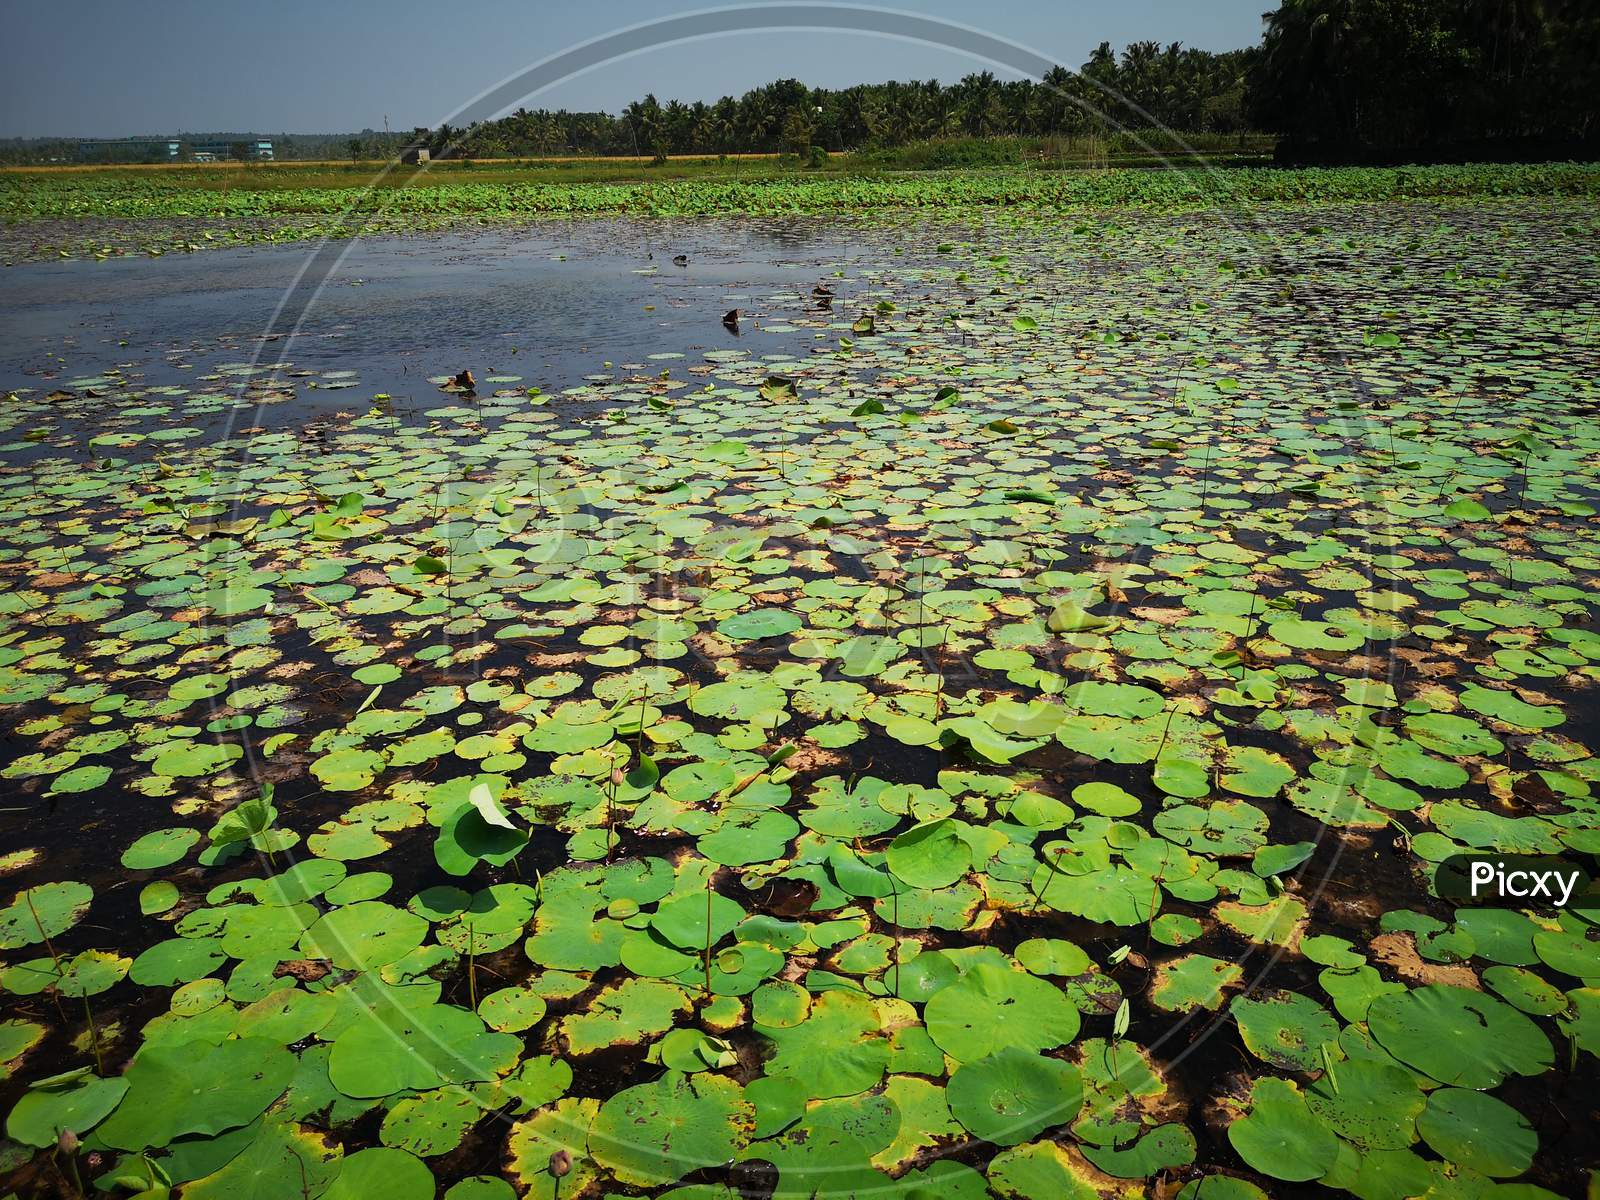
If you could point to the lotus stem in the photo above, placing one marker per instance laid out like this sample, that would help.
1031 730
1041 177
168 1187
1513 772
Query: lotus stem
72 1167
708 932
94 1036
611 797
55 959
896 894
1053 864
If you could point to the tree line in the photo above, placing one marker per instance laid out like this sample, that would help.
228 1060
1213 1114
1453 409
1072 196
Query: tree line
1172 86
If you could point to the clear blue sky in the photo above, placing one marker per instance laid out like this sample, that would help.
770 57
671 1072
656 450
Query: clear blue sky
121 67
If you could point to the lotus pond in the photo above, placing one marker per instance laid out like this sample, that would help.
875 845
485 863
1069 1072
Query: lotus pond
982 721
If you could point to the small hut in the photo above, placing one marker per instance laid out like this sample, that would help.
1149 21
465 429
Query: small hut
415 152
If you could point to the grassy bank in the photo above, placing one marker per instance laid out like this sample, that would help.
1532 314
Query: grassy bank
1148 148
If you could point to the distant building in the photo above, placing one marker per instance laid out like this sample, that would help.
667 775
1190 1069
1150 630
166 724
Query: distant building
257 150
130 150
113 150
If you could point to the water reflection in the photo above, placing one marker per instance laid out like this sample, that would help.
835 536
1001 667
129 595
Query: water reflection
559 300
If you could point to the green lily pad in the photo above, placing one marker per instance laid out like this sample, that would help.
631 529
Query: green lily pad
194 759
381 1171
177 960
1478 1132
694 922
634 1011
1046 1168
1281 1137
991 1008
281 1160
347 770
1284 1029
364 936
41 912
1221 1187
839 1049
758 623
77 1103
175 1090
655 1133
159 848
1162 1148
1372 1105
80 779
392 1046
431 1123
1192 981
561 1127
931 855
1014 1094
1459 1036
1052 956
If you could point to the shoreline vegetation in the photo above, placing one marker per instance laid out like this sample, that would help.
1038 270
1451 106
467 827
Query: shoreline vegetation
102 212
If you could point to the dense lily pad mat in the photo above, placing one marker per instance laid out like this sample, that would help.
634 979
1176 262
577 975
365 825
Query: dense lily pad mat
1003 751
116 212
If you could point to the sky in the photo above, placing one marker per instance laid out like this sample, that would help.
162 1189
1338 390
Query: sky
110 68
